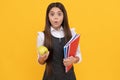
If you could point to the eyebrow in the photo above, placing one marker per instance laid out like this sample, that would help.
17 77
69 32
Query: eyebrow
53 11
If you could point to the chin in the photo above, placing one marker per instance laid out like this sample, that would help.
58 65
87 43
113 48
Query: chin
56 26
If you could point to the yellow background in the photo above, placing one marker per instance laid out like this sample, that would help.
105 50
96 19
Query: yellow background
98 22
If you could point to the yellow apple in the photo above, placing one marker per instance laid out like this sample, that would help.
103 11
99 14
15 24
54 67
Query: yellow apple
42 50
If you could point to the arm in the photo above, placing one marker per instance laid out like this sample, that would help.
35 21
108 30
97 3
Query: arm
78 54
77 58
40 42
42 58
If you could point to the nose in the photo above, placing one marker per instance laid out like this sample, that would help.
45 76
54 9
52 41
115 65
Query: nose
55 17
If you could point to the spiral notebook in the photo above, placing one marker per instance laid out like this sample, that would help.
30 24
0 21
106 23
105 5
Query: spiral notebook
70 49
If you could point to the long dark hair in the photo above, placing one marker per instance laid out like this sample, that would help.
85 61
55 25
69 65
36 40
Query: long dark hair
47 33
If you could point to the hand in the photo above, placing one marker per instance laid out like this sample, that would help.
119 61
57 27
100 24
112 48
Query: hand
69 61
43 58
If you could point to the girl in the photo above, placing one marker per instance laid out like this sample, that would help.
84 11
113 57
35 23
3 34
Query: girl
55 35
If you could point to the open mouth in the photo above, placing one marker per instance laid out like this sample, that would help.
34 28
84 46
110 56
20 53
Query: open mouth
56 22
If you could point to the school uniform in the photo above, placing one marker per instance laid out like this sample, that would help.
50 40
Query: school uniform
57 66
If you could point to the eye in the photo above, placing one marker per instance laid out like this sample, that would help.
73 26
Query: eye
60 14
51 14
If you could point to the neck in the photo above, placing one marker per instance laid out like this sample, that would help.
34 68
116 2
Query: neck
58 28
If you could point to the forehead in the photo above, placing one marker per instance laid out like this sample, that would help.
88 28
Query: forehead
55 9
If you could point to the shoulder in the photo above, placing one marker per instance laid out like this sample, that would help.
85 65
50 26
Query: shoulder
72 31
40 35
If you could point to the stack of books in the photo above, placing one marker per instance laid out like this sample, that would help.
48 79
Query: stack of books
70 48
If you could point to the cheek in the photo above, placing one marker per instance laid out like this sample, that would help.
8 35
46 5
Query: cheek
61 19
50 19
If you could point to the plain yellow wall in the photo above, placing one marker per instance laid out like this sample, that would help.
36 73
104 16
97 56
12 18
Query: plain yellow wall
98 22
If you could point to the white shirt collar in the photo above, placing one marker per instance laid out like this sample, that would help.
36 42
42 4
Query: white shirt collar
57 33
52 29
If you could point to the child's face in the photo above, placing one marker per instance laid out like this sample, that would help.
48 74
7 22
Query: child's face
55 17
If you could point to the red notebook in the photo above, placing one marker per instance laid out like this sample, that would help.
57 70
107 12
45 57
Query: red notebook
70 49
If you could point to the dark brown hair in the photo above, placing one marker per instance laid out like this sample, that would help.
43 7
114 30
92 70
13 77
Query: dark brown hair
47 33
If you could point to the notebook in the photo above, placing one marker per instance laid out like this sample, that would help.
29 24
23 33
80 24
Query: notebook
70 49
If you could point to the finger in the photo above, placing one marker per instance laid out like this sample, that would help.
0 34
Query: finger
64 59
42 56
65 64
68 59
48 54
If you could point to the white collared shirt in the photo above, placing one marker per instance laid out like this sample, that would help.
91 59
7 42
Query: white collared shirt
58 34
